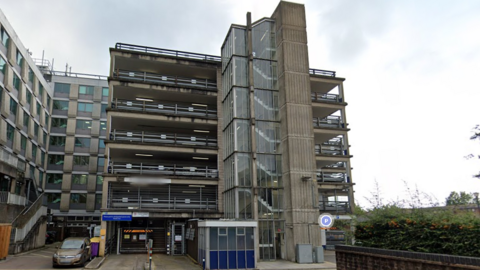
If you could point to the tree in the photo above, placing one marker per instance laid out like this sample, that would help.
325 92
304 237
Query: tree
475 136
461 198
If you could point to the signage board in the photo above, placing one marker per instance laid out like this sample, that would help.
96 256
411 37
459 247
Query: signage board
117 218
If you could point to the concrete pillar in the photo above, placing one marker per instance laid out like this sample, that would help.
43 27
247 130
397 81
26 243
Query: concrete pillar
97 93
67 182
297 147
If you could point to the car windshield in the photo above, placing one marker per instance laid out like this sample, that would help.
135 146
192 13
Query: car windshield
72 244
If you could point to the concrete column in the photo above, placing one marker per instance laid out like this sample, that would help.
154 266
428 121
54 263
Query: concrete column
22 95
94 146
74 94
95 132
96 111
92 183
68 163
97 93
67 182
69 144
221 177
5 106
71 126
16 141
19 119
65 202
3 131
297 147
90 207
92 165
72 108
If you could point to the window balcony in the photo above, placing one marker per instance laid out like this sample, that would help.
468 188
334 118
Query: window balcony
159 169
332 121
154 78
165 108
163 138
334 206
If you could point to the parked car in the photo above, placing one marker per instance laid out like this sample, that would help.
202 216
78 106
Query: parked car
50 237
73 251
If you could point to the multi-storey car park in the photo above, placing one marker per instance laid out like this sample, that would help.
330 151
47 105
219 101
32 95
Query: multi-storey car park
204 154
254 136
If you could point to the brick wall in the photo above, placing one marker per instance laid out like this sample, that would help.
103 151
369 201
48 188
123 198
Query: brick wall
362 258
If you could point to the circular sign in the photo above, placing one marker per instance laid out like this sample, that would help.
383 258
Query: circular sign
325 221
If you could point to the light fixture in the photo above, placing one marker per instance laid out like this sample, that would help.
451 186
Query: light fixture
202 131
196 185
201 158
187 191
144 99
201 105
144 155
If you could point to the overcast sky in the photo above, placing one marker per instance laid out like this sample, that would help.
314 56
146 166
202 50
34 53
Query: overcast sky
412 70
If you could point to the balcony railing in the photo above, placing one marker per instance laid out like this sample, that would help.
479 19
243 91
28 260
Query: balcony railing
338 206
148 77
145 49
337 165
168 108
330 149
334 98
331 121
164 138
322 72
175 169
323 177
12 160
156 203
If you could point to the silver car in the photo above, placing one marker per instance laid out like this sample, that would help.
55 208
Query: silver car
73 251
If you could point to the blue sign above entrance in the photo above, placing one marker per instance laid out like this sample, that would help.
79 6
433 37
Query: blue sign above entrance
117 217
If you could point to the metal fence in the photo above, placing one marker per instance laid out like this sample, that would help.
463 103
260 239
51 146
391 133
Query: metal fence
175 169
164 79
331 121
152 50
169 108
164 138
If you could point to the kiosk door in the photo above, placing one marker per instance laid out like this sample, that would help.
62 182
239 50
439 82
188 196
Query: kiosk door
178 239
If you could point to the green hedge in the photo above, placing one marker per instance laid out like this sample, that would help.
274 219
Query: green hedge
445 231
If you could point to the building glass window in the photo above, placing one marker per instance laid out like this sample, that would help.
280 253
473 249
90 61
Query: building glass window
84 124
48 100
98 199
82 142
40 178
101 162
40 89
19 58
57 140
79 179
10 132
78 198
34 152
85 107
42 158
35 128
13 106
56 159
23 143
59 122
105 91
85 90
101 144
53 197
26 120
60 105
47 119
99 180
81 160
45 138
3 65
103 125
39 108
104 108
16 81
29 97
54 178
62 88
30 75
5 37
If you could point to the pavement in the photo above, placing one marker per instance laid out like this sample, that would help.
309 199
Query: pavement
166 262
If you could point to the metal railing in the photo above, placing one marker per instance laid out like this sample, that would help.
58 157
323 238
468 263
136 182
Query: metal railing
155 203
169 108
176 170
338 206
164 79
145 49
332 177
322 72
330 149
78 75
337 165
334 98
331 121
166 138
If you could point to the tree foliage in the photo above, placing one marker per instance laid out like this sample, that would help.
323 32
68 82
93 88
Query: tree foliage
461 198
